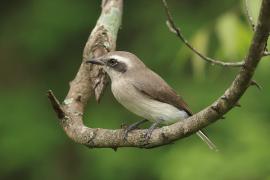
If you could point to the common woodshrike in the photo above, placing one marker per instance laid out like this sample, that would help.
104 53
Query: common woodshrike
144 92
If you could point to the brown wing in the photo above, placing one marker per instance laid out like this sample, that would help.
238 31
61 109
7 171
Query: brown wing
153 86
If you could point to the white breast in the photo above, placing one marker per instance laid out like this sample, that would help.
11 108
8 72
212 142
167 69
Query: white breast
143 106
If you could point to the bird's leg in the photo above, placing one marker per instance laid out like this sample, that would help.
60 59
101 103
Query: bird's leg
132 127
151 129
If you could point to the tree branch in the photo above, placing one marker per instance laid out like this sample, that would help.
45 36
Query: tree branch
79 91
254 83
174 29
56 105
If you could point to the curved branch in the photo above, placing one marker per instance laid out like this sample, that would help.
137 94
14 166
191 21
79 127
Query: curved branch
90 79
79 93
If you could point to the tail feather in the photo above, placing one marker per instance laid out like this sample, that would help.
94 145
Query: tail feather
210 144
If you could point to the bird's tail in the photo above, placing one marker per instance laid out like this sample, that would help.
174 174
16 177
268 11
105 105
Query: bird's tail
210 144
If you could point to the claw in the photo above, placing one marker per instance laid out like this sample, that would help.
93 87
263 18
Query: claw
132 127
147 136
151 129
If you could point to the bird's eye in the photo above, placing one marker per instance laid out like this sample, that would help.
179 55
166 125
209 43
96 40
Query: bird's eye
112 62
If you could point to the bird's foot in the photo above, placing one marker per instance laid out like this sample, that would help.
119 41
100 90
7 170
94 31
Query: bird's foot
132 127
147 136
149 132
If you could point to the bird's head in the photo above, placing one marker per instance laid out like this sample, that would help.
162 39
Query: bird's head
118 63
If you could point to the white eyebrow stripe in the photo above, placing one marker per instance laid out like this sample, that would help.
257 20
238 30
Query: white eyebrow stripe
122 59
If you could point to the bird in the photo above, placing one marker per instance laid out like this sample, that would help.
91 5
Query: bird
144 93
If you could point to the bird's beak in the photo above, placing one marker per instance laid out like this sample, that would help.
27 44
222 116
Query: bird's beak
95 61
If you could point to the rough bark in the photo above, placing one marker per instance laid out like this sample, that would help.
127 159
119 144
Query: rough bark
102 40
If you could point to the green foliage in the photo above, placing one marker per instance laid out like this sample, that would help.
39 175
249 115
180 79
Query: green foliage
41 44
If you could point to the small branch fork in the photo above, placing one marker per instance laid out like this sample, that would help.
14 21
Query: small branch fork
102 40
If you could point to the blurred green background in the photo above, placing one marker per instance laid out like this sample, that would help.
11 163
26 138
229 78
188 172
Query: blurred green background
41 44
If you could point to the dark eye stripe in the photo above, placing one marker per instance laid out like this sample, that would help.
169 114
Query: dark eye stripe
112 62
120 67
